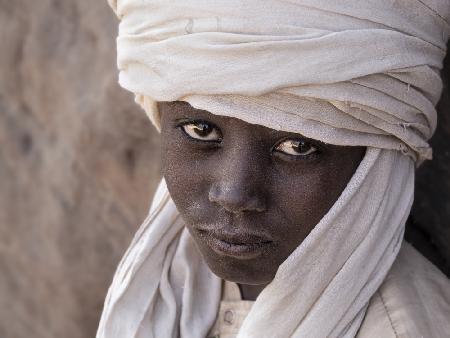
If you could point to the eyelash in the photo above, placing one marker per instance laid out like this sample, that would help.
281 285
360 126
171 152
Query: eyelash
182 126
315 153
316 149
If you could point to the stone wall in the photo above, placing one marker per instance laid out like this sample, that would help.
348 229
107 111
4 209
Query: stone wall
79 162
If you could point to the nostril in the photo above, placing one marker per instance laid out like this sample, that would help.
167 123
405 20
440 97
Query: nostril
236 200
258 206
213 194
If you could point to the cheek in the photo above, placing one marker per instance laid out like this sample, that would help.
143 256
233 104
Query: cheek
186 177
304 196
302 200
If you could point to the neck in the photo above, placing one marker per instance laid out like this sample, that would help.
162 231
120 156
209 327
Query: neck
250 292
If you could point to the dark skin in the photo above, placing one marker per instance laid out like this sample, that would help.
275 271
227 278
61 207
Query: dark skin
249 195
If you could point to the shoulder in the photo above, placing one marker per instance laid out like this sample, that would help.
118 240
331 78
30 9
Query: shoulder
413 301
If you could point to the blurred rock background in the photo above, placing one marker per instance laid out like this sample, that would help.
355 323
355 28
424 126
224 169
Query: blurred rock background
428 227
79 163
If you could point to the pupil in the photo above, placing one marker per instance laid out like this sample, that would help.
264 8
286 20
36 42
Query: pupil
202 129
300 146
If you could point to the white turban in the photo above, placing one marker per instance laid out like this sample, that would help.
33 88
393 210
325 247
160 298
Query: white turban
362 73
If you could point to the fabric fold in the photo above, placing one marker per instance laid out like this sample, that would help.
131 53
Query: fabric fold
381 56
359 73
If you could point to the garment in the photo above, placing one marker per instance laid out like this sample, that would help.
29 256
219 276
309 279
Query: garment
164 264
362 73
413 301
232 312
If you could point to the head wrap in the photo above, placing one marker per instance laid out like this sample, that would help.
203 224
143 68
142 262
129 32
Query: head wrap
363 73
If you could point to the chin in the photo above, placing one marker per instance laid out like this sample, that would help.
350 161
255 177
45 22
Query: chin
241 272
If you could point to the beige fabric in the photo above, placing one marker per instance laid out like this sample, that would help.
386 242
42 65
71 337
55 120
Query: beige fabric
160 286
355 73
413 301
232 312
370 69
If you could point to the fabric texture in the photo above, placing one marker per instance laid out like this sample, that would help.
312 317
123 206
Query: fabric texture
160 287
412 302
232 312
357 72
369 69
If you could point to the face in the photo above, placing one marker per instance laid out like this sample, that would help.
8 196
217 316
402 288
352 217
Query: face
248 194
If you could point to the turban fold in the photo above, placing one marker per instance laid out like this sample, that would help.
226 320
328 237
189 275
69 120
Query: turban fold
362 73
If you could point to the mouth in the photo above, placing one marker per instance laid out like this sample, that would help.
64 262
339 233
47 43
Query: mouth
238 245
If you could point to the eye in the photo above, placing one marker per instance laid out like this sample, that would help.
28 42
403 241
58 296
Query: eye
201 130
296 148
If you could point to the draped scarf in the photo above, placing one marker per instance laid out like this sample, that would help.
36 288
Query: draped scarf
361 73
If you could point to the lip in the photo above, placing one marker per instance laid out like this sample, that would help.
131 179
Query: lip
238 245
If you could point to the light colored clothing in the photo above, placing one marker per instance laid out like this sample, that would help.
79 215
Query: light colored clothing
359 73
412 302
232 312
164 288
352 72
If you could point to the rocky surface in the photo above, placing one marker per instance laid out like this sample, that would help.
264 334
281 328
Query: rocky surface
79 162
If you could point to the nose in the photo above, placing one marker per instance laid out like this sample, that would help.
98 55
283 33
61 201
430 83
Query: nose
236 199
238 185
